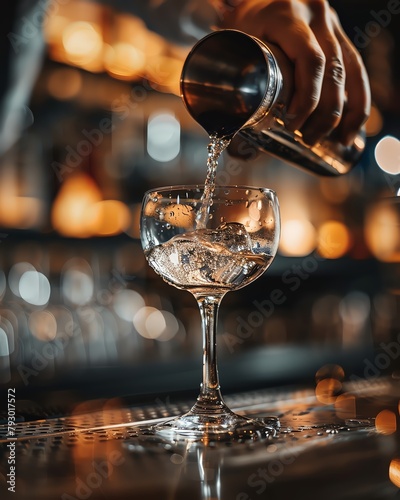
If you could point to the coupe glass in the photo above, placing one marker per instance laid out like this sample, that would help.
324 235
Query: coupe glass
210 250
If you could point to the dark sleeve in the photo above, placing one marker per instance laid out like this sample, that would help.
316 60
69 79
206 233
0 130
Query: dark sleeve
21 51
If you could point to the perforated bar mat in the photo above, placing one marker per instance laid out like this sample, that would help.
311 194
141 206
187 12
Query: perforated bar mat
325 449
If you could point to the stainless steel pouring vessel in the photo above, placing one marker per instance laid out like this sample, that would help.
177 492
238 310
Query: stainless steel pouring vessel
233 83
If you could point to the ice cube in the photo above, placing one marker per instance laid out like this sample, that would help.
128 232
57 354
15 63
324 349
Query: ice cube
231 235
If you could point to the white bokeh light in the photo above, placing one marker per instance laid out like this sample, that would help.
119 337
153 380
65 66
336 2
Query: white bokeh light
127 303
34 288
77 287
155 324
15 273
163 136
387 154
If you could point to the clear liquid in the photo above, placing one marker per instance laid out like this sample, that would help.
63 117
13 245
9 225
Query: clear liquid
215 148
209 259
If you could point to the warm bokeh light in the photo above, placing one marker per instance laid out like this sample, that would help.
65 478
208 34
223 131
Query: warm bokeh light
386 422
124 61
97 38
330 371
82 42
327 390
359 142
69 212
333 239
108 217
140 322
166 71
345 406
162 325
152 323
43 325
387 154
382 230
298 238
21 212
54 28
394 471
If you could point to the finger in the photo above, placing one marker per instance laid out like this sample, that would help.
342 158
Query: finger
357 88
328 113
308 59
286 24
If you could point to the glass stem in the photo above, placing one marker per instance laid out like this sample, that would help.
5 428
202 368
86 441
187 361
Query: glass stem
210 399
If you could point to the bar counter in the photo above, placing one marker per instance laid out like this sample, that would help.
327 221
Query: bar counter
329 446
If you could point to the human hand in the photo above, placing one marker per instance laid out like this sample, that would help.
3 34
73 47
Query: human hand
331 87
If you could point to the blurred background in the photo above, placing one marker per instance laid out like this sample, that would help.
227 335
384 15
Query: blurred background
81 314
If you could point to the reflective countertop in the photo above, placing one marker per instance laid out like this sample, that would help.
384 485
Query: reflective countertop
330 446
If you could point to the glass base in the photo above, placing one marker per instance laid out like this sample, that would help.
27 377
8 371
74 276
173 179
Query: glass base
222 427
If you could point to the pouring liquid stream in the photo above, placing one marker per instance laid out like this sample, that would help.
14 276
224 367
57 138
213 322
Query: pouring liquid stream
215 148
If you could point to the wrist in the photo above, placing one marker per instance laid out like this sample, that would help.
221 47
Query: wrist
234 13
